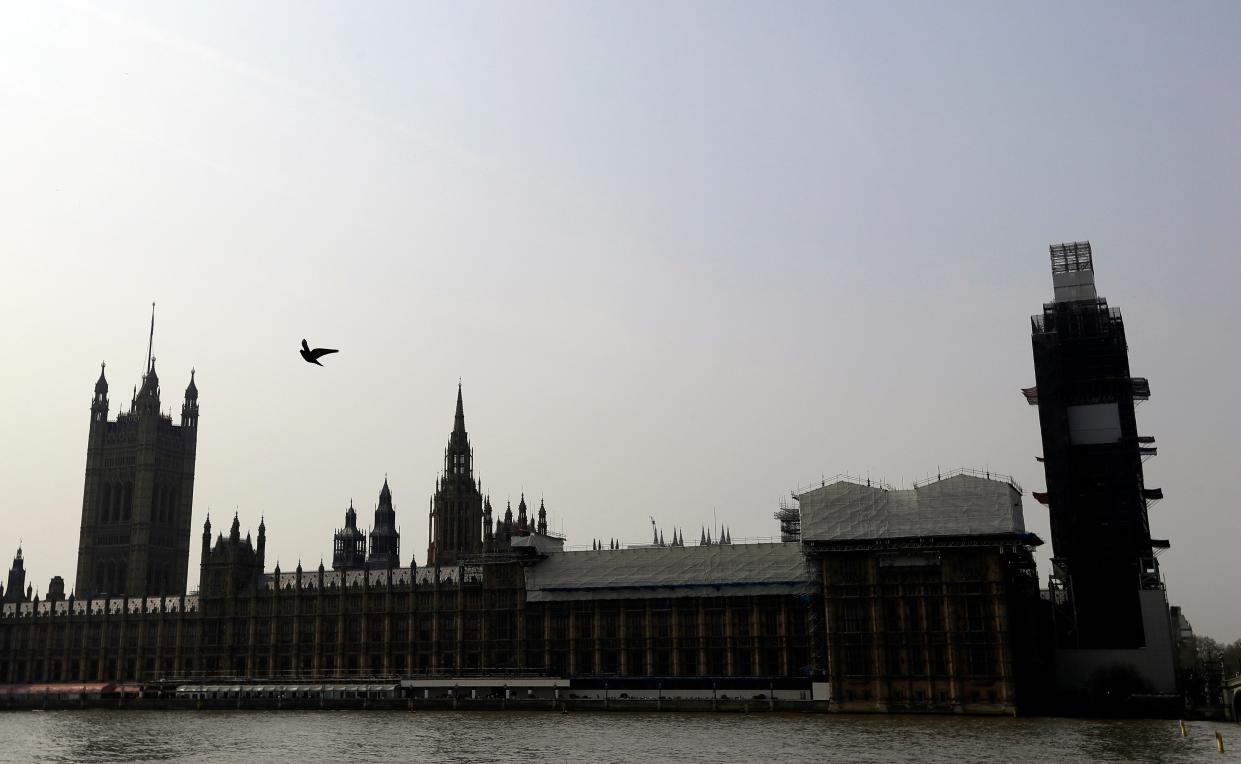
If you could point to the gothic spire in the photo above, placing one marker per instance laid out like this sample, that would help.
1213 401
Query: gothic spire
101 387
459 422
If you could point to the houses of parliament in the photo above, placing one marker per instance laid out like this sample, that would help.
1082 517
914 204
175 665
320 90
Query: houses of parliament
935 622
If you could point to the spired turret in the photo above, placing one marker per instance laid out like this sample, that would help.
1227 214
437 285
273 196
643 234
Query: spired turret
456 517
17 579
189 409
385 538
349 544
99 404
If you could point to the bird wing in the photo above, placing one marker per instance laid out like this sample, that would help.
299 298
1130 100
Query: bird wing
320 352
305 345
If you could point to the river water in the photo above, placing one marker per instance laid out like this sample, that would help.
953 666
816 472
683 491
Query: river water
257 737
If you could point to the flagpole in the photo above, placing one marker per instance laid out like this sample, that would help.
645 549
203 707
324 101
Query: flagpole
151 339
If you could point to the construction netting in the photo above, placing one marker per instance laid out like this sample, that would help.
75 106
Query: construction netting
960 505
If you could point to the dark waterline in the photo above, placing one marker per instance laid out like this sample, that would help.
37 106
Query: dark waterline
257 737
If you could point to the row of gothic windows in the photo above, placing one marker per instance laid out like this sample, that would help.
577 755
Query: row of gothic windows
110 576
116 502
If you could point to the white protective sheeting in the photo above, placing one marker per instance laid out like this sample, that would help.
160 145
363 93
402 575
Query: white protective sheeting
691 571
961 505
1094 423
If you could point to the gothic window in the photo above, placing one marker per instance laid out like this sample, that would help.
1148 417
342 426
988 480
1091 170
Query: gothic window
105 499
975 614
855 617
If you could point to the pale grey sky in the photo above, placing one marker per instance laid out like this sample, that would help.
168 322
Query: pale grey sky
685 256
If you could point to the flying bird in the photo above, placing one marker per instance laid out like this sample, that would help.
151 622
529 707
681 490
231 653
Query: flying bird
313 356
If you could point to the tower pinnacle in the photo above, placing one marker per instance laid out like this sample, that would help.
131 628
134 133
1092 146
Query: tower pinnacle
459 421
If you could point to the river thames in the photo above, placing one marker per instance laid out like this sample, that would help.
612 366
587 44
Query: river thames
440 736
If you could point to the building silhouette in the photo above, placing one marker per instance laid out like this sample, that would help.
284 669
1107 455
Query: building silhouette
139 494
1113 629
385 549
456 519
349 544
15 590
1092 454
914 600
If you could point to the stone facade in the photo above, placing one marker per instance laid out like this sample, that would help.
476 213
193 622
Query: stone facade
139 495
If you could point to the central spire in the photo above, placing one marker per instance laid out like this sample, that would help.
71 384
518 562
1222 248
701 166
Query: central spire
459 422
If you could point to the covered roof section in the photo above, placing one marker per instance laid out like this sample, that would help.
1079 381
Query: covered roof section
681 571
963 503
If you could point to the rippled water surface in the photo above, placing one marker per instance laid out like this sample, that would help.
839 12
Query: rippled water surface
390 736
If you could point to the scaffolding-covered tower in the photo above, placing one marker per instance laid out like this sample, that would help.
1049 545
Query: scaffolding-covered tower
789 516
1104 557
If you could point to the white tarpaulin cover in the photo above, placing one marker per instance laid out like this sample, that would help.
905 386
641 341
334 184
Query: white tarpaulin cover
960 505
689 571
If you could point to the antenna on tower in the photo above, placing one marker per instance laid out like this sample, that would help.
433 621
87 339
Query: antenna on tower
151 339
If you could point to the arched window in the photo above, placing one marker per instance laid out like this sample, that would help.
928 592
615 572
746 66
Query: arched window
105 499
129 500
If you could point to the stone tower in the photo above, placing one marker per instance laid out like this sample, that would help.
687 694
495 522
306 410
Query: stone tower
385 539
139 494
1104 556
233 565
17 579
349 544
457 507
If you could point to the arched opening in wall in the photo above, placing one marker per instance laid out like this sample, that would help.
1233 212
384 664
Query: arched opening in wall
129 500
117 496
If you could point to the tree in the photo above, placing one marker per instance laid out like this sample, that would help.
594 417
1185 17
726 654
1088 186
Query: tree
1209 651
1232 658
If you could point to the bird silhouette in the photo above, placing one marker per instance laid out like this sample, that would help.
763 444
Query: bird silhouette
313 356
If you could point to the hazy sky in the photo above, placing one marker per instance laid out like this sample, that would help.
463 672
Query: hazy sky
684 256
